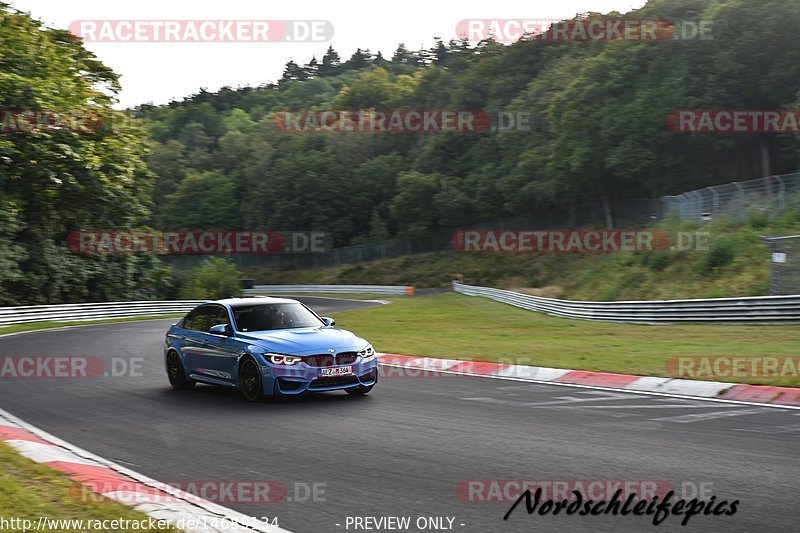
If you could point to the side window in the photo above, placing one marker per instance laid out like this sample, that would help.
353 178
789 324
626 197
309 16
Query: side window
189 321
218 315
198 320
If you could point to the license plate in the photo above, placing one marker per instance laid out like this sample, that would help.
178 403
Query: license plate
339 371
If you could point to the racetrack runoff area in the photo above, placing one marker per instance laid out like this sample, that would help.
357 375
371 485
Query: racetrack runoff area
468 328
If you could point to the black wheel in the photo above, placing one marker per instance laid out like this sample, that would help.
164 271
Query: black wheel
176 373
250 381
361 390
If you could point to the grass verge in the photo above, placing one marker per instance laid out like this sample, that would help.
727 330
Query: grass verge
731 261
29 490
463 327
353 296
49 325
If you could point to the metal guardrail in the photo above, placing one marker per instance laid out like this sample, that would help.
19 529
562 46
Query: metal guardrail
105 310
92 311
333 289
755 309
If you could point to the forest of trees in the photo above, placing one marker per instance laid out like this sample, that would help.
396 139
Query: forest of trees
216 160
56 182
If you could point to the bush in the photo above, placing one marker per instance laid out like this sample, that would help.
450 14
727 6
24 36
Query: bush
214 280
758 218
720 255
656 261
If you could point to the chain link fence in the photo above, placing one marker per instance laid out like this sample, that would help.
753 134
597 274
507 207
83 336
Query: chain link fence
734 201
785 257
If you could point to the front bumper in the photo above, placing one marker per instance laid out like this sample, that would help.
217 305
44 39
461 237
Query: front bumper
300 378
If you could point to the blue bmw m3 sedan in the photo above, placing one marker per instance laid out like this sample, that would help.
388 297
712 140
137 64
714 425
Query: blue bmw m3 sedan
267 346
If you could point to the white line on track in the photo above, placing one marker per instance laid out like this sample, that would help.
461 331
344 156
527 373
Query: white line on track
626 391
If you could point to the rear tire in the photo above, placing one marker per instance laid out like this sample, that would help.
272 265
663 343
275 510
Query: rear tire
250 381
361 390
176 373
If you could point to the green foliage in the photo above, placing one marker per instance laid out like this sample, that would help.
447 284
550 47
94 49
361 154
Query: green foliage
53 182
597 114
474 328
213 280
203 199
721 254
217 160
736 263
412 207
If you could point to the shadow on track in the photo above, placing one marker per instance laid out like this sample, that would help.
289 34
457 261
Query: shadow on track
218 398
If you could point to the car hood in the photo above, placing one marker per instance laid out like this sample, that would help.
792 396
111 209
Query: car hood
305 341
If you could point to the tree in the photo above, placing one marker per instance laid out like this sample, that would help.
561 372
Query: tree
441 55
312 68
214 280
330 62
380 61
401 55
413 209
54 181
293 72
595 133
203 200
359 60
168 163
375 88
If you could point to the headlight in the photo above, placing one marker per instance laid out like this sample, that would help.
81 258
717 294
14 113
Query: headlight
280 359
368 352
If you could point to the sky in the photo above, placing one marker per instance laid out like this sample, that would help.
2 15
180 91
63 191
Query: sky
160 72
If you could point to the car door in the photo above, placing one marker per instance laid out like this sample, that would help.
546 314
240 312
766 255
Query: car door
219 353
194 343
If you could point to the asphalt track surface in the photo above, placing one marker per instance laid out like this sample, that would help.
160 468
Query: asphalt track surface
404 449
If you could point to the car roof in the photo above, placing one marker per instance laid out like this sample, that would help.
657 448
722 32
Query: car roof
253 300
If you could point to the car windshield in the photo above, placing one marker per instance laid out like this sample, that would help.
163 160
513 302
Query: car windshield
265 317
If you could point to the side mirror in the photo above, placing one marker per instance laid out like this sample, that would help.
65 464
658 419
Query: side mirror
328 321
220 329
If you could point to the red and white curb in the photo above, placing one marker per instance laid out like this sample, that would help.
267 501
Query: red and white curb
785 397
154 498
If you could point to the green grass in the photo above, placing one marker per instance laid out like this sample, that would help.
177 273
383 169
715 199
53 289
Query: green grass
29 490
346 296
735 263
49 325
462 327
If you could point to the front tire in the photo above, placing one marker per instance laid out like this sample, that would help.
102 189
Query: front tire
176 372
250 381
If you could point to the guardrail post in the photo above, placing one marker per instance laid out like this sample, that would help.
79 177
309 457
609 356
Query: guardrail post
739 199
781 192
714 202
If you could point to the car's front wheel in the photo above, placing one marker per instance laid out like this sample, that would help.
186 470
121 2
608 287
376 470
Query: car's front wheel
250 381
176 372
